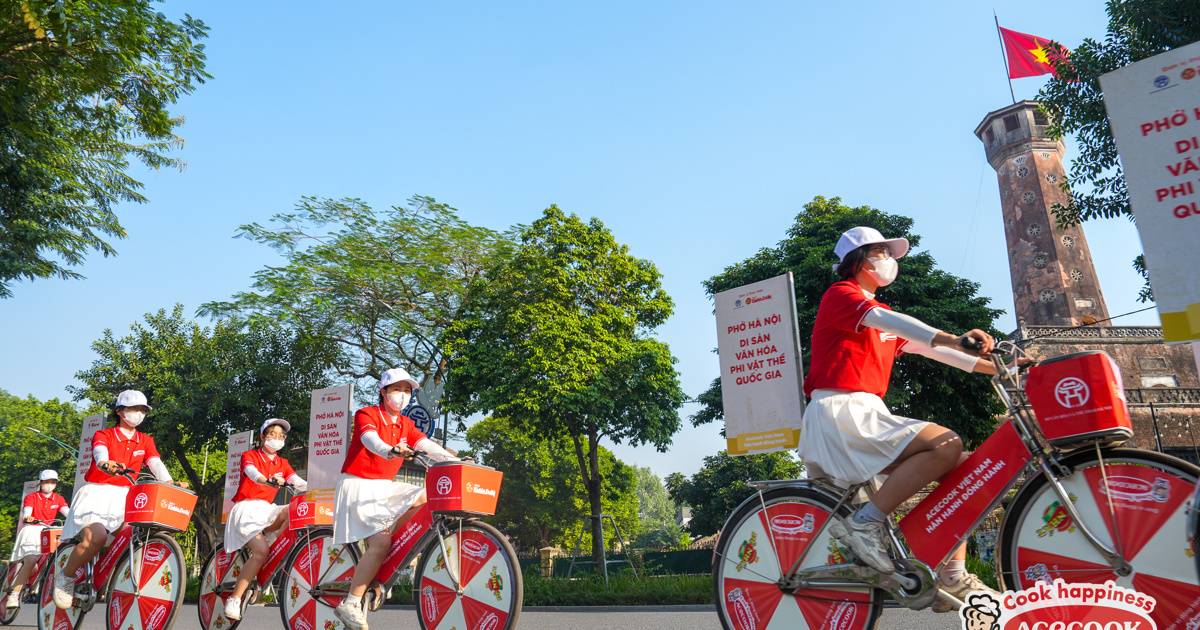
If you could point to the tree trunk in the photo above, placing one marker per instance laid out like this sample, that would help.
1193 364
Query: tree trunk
205 530
594 487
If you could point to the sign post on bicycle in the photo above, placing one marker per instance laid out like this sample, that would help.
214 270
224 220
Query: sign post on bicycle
328 438
91 425
758 340
239 443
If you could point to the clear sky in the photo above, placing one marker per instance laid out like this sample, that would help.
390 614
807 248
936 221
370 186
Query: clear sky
694 130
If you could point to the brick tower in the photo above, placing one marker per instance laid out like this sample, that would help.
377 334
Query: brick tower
1053 280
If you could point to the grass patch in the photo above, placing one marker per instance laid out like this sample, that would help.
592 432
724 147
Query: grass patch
985 570
624 590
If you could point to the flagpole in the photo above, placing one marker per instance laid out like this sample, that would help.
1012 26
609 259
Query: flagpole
1004 56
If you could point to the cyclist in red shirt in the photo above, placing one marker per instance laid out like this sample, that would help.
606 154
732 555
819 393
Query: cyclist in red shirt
368 503
37 511
99 506
254 516
848 433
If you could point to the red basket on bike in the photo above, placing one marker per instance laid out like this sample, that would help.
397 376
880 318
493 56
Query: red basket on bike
50 536
1079 399
302 513
159 505
463 488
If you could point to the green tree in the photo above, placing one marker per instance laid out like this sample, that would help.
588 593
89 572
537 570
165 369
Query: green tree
920 388
30 453
85 88
557 339
657 513
1074 103
720 486
205 383
382 285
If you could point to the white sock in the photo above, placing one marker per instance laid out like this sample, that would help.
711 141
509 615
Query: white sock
953 572
869 514
350 599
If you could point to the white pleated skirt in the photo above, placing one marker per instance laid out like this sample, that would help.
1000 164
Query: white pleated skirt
28 543
102 503
364 507
851 436
248 519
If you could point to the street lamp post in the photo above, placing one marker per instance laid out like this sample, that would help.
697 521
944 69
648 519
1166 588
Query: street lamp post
74 453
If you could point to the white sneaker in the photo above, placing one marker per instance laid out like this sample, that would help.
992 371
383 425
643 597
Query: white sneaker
233 608
969 584
13 600
866 540
351 614
64 591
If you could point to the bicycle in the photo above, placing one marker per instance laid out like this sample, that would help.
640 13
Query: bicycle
1088 511
222 569
467 576
49 537
142 570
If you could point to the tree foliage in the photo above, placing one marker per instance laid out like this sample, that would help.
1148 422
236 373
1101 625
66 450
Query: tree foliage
85 89
720 486
383 285
543 500
656 510
205 383
920 388
557 339
1073 101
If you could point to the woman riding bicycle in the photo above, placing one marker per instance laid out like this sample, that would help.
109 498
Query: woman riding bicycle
254 517
99 506
848 433
368 504
37 511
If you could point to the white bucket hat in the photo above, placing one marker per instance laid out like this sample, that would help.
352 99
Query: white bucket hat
854 238
280 421
132 398
48 474
396 375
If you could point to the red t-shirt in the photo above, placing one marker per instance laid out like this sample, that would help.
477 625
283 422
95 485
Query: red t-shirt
45 509
846 354
129 452
250 489
360 461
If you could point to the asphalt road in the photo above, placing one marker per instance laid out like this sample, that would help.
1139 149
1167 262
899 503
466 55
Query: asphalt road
264 617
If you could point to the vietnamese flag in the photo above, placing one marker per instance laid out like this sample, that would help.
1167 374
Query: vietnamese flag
1028 55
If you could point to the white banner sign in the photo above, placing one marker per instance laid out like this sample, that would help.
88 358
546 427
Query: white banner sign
29 488
759 345
328 438
1154 109
91 425
239 443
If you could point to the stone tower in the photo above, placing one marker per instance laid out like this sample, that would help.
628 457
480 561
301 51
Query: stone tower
1053 280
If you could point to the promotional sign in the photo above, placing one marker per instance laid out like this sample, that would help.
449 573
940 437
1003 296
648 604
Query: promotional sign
1062 605
758 341
29 488
1154 109
239 443
91 425
422 419
328 439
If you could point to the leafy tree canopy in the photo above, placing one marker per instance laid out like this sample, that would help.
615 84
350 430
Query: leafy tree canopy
1137 29
557 339
920 388
85 88
657 512
720 486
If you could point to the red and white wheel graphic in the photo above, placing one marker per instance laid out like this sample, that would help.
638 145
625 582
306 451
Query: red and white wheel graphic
146 588
758 545
315 561
49 615
487 568
220 567
1147 492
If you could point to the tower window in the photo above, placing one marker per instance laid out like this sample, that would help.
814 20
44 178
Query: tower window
1020 159
1028 196
1084 303
1167 380
1040 261
1077 276
1022 171
1047 295
991 135
1011 123
1068 240
1039 118
1010 226
1044 155
1150 364
1034 229
1051 178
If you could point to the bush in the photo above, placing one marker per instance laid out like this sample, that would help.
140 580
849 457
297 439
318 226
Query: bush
624 590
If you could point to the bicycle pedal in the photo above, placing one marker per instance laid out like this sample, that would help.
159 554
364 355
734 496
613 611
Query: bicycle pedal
374 599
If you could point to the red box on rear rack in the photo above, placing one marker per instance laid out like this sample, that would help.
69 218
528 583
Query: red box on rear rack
159 505
462 488
50 536
1079 399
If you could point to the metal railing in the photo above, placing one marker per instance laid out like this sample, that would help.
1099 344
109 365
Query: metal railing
1114 333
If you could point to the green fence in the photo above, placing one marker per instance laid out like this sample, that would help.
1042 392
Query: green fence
689 562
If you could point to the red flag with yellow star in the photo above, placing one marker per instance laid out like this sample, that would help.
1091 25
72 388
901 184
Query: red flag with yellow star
1028 55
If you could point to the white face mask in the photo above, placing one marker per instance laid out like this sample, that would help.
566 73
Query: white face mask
397 401
134 418
48 487
885 270
273 445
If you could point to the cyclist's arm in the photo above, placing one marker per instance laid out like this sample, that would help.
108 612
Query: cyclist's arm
297 482
946 355
64 510
903 326
254 475
159 469
26 512
434 451
375 444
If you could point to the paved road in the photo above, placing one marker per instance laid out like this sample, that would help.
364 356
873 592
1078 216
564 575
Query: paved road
263 617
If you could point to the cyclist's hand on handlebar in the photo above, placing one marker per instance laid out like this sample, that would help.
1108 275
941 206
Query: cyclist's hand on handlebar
976 342
29 519
402 451
109 467
182 484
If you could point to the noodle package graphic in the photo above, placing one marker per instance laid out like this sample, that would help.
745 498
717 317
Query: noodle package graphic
1060 606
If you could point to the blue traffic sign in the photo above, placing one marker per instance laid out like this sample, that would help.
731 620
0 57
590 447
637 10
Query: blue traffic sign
424 422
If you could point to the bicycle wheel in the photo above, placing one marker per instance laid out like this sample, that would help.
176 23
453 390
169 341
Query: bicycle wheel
9 615
1148 491
146 587
492 590
759 544
219 567
50 617
315 559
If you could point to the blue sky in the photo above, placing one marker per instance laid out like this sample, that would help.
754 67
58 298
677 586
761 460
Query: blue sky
694 130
